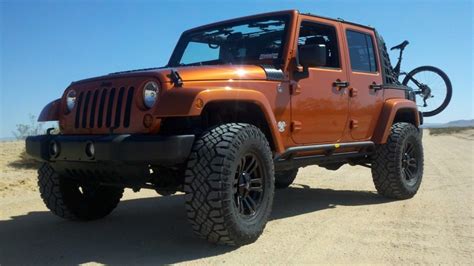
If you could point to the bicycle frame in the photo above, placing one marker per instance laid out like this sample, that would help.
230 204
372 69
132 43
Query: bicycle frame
423 90
396 69
397 73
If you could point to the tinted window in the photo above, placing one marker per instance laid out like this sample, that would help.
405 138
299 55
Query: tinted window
311 33
256 41
361 51
199 52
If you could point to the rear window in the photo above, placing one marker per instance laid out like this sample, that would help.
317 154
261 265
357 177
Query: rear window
361 51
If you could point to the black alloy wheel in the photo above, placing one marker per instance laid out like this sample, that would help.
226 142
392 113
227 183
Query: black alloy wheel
248 186
410 162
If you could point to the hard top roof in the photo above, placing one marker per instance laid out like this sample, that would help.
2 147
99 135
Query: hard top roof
276 13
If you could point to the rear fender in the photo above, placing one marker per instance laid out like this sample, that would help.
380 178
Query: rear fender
387 117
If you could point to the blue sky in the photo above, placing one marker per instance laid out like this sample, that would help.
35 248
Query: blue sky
47 44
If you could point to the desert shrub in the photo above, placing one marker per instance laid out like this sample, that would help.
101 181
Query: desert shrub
448 130
32 128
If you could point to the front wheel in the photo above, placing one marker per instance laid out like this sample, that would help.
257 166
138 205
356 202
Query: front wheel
73 200
432 88
229 184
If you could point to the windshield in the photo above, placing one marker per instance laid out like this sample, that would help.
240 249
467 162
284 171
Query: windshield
257 41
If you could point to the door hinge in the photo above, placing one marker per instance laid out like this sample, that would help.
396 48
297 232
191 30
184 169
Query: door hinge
295 126
353 92
354 124
295 88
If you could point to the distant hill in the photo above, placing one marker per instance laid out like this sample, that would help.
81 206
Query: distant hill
461 123
7 139
456 123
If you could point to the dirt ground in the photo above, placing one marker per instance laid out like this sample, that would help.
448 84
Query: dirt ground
325 217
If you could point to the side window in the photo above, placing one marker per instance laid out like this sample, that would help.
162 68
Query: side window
361 51
323 36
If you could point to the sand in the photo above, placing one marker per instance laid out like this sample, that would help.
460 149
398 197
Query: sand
325 217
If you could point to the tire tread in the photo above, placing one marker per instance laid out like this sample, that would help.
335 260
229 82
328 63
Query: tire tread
54 195
386 163
207 201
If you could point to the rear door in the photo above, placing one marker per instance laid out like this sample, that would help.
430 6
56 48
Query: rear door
320 110
364 70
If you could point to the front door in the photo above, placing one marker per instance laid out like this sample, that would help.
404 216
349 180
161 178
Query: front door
319 111
364 70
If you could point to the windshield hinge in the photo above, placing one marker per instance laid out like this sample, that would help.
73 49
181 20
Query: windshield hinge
176 78
295 88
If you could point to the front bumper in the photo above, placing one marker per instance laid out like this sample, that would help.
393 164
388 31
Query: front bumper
149 149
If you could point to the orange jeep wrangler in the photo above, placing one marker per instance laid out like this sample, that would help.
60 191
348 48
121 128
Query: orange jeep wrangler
240 107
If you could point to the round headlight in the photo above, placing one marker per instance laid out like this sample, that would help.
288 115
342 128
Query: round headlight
71 100
150 93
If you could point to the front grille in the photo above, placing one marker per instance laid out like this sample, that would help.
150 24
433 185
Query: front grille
108 107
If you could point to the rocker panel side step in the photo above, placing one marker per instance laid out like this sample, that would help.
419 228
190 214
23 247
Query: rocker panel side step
288 159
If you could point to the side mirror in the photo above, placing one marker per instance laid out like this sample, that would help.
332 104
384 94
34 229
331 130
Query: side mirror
312 55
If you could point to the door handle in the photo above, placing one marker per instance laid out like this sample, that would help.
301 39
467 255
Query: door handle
374 86
340 84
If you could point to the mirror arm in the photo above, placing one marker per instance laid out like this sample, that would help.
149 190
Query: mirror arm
301 71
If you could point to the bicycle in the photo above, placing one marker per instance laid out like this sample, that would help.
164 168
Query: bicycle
425 81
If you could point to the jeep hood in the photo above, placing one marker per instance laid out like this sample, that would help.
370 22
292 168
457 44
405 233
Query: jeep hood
194 73
218 73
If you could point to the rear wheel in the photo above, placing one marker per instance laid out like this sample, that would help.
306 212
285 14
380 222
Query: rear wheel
69 199
284 179
229 184
397 168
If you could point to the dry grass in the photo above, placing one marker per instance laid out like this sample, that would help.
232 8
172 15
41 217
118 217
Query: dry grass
17 170
24 161
448 130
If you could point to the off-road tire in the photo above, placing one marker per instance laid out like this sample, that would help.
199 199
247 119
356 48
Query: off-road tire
387 166
63 197
209 183
284 179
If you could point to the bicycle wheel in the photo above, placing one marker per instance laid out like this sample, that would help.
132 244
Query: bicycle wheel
432 87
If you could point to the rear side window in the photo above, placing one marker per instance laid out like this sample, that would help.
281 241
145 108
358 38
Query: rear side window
361 51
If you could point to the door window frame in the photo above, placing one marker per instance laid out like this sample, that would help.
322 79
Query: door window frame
340 46
374 47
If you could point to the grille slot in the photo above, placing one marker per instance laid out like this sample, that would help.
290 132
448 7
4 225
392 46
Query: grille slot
86 108
118 109
93 107
104 107
78 110
110 105
101 107
128 106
